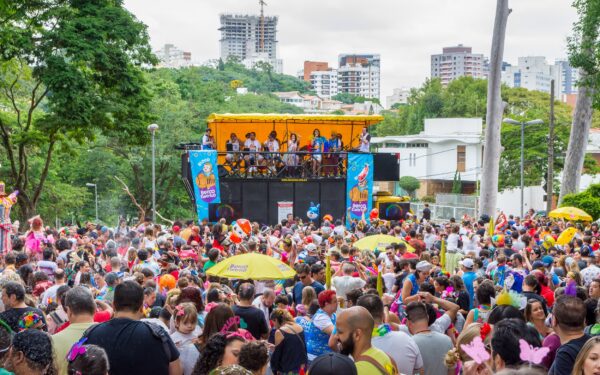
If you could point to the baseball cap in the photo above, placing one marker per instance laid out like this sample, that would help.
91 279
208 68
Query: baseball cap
547 260
332 363
310 247
537 264
423 266
467 263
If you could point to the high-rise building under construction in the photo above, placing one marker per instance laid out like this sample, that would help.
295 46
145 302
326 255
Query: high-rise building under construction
250 38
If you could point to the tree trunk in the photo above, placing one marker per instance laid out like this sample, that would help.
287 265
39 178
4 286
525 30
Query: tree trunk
495 109
582 120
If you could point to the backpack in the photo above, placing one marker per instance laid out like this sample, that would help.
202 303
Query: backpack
156 331
378 366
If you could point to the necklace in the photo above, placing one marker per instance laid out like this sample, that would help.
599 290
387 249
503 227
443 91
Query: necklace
421 331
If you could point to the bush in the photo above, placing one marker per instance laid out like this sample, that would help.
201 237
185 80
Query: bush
588 200
428 199
409 183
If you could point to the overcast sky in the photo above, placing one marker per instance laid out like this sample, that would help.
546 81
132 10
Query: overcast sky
405 33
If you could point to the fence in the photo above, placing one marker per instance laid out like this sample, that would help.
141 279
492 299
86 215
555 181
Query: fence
443 212
457 200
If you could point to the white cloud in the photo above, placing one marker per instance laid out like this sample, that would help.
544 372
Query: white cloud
404 32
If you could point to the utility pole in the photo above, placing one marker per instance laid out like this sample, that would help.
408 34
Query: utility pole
549 182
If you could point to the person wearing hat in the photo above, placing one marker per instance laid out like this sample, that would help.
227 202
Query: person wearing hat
332 364
469 277
410 286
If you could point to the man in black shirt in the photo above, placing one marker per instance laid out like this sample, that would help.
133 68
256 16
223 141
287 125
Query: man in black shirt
251 318
132 346
426 212
568 321
13 298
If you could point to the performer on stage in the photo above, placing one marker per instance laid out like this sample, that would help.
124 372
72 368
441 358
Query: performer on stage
6 202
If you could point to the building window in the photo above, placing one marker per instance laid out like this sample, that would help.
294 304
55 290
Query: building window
460 158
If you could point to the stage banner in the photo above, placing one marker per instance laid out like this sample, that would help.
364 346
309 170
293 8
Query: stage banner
359 186
206 180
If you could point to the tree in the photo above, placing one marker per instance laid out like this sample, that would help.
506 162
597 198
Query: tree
67 69
588 200
495 109
584 53
457 183
410 184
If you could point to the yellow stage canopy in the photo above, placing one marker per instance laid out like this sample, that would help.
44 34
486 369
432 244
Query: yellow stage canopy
303 125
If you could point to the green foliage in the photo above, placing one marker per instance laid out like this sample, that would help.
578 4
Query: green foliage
466 97
428 199
457 183
584 45
69 70
348 98
588 200
409 183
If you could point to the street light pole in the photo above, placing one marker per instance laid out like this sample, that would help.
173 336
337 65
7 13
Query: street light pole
522 124
96 194
152 128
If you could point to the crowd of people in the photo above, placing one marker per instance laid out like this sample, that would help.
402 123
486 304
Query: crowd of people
318 157
462 297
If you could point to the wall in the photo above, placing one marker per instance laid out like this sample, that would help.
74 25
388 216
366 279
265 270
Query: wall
509 201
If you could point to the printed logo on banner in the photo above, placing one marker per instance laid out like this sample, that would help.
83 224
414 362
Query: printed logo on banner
206 181
359 184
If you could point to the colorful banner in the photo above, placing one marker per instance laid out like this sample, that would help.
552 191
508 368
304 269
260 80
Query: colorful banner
206 180
359 186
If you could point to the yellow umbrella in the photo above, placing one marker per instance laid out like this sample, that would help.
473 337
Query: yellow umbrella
252 266
380 241
570 213
566 236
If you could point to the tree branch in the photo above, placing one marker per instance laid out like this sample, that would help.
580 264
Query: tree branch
133 200
162 217
34 104
9 150
38 189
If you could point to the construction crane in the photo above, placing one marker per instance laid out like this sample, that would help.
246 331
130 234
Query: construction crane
262 3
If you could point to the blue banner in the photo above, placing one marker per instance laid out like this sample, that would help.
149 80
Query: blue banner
359 186
206 180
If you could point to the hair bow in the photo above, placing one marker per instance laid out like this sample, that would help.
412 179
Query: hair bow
209 306
180 310
76 350
484 331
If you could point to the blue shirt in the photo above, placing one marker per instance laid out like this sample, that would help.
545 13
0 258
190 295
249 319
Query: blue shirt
468 278
298 290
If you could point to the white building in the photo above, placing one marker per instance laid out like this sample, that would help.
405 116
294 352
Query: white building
248 38
532 73
455 62
324 82
566 76
359 74
446 146
172 57
399 96
309 103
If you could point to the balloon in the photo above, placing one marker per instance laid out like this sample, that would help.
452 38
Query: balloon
374 215
240 230
548 242
313 212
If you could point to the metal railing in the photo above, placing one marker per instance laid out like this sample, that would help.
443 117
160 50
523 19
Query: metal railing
301 164
441 212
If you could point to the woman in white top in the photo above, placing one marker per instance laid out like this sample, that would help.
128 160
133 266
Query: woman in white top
453 252
291 159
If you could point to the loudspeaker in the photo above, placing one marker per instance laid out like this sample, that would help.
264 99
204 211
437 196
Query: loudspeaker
255 201
385 167
279 192
333 199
